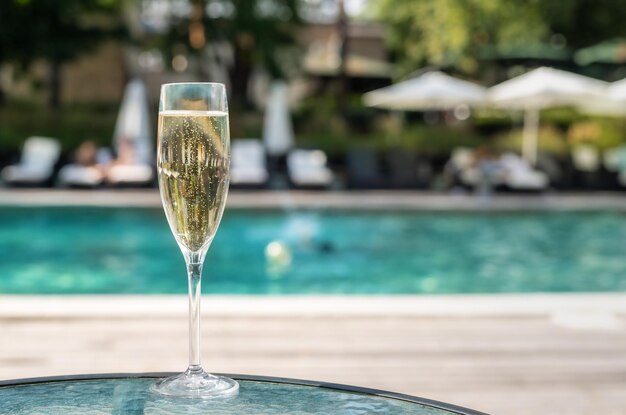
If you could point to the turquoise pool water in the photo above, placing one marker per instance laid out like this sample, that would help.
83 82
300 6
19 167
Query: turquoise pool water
107 250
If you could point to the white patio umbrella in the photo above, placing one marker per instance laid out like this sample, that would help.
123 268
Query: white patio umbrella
616 97
277 126
611 103
617 91
133 121
431 91
606 107
543 88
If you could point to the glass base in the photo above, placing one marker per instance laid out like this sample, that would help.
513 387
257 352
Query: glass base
196 383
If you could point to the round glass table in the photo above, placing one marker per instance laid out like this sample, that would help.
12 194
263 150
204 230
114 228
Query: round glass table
119 394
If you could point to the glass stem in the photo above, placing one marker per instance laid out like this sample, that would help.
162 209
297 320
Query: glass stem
194 270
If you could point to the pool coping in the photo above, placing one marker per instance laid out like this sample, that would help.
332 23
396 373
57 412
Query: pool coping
362 200
600 310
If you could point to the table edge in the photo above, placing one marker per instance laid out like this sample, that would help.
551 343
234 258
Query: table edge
255 378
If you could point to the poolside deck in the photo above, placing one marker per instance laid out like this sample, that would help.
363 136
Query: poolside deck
503 354
371 200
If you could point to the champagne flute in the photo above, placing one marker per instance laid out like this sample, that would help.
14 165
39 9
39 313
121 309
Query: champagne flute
193 164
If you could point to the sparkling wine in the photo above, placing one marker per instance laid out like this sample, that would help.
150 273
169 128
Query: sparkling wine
193 164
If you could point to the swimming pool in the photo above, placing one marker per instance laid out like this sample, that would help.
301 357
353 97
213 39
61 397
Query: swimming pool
131 251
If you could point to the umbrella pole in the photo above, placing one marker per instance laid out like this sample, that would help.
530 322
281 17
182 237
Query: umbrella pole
530 139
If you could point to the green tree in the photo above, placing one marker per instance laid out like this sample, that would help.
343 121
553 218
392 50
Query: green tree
259 36
258 32
586 22
455 33
57 31
452 33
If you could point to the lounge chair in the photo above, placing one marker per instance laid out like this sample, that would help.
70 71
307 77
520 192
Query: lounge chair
364 170
130 168
614 161
308 168
460 169
84 176
248 164
551 166
519 175
75 175
131 175
508 171
36 166
586 158
133 140
587 163
407 171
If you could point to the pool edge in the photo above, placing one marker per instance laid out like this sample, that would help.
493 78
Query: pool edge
462 305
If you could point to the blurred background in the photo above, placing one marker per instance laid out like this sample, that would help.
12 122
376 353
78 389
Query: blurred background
72 67
427 196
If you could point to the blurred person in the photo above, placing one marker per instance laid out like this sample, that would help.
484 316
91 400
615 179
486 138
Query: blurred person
126 154
89 155
89 167
490 168
518 174
86 154
127 169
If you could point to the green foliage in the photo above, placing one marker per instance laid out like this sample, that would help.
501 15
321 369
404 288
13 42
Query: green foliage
551 141
71 125
561 129
436 140
259 29
338 144
433 141
451 32
320 125
585 22
562 116
247 125
57 31
52 29
260 33
603 133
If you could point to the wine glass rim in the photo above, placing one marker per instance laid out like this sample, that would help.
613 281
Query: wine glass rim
193 83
